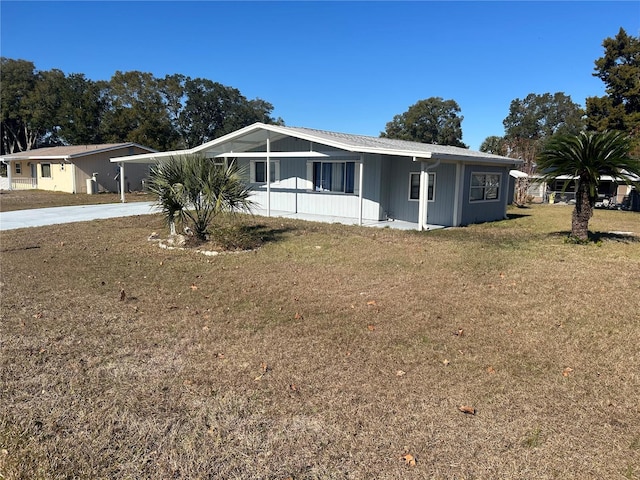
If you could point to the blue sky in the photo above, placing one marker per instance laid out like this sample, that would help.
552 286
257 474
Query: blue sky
342 66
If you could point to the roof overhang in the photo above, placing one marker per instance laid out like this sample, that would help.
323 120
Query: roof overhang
518 174
250 142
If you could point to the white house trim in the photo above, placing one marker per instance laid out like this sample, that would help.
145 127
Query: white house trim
272 155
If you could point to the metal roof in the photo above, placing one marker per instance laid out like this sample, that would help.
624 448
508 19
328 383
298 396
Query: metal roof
253 136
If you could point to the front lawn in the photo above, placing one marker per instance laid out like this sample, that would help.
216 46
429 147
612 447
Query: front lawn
330 352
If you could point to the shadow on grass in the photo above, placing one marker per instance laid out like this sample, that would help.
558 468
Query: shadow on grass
245 237
598 237
515 216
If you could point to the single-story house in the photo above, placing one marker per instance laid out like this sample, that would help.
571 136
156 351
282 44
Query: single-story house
73 169
317 172
612 191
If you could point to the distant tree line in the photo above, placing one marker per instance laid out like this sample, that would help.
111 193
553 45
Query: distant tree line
48 108
538 119
41 108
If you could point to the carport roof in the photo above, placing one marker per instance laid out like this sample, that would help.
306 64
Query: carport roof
253 136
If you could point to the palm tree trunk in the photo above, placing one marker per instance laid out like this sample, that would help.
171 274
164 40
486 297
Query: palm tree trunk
581 214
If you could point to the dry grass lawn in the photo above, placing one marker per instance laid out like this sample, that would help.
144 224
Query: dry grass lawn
330 352
25 199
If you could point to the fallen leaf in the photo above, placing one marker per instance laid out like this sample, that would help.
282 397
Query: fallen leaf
298 316
372 303
491 370
446 362
567 371
371 327
123 295
467 409
194 286
408 459
400 373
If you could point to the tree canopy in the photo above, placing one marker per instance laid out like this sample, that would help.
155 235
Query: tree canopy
538 117
41 108
432 120
619 69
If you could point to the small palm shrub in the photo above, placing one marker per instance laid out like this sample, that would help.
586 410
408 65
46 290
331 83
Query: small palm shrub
192 190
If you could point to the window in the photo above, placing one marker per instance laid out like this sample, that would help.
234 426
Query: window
334 177
18 167
46 170
414 186
485 187
259 171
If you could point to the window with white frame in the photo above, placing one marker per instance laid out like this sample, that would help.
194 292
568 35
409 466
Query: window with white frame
339 177
18 167
46 170
485 187
258 171
414 186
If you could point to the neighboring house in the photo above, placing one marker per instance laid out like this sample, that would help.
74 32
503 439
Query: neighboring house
611 191
316 172
72 169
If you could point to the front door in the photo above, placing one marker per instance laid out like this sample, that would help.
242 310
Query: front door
34 175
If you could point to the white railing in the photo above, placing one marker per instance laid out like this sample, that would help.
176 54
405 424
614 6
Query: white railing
24 183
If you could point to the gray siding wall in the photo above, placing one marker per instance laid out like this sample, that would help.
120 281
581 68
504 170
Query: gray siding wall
484 211
439 211
293 193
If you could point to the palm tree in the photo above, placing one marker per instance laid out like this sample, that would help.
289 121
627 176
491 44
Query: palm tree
586 157
194 190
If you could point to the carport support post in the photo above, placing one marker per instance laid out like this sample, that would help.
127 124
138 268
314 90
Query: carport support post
122 182
421 197
268 175
9 167
360 179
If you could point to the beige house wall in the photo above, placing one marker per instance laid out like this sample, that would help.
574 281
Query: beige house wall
71 175
61 179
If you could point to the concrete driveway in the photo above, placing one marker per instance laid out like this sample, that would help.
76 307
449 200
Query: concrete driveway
81 213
